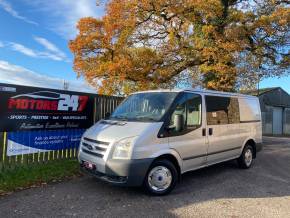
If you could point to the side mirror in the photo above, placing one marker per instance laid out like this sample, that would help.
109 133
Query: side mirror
107 115
178 122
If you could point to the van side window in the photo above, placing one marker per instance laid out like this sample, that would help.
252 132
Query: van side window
190 108
222 110
179 110
193 110
234 111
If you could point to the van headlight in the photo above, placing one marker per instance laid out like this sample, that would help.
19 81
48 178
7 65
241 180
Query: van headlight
123 148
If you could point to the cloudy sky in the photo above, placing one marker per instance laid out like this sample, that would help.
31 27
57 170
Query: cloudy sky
34 37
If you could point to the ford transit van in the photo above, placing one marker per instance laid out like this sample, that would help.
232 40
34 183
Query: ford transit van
153 137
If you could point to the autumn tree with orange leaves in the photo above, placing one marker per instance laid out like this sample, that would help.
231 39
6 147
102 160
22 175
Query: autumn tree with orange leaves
148 44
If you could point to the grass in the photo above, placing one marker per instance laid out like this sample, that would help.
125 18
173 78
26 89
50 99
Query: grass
37 174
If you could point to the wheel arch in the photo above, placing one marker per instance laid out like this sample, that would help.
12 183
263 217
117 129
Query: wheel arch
172 159
252 143
171 155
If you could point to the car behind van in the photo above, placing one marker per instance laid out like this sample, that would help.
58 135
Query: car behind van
153 137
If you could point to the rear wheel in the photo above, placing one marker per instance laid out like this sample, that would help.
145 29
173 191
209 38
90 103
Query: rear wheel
161 178
246 159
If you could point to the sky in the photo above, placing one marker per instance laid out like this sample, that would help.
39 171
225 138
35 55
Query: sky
34 37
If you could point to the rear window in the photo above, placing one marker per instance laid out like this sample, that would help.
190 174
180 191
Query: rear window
250 109
222 110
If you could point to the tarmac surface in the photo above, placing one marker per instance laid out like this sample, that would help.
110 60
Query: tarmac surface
222 190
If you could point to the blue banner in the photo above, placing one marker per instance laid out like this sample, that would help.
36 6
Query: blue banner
26 142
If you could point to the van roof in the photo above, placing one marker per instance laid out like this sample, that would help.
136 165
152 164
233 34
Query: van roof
204 91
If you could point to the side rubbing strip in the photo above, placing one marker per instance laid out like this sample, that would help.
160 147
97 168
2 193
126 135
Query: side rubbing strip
212 153
230 149
193 157
251 121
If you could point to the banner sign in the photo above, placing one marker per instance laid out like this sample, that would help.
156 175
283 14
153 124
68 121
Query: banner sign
28 142
29 108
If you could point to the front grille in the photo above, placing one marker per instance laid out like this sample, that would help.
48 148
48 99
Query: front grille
96 141
93 153
94 147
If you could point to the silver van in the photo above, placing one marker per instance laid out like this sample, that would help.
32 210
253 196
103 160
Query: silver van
155 136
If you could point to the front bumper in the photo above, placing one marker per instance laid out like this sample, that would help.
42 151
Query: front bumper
121 172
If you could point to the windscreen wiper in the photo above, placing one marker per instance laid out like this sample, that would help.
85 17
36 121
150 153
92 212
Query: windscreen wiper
145 118
122 118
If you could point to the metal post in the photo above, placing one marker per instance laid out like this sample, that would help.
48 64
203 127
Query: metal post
4 146
258 93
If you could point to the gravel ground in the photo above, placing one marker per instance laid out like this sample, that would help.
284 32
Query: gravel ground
218 191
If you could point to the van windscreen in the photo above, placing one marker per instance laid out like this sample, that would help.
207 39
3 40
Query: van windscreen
149 106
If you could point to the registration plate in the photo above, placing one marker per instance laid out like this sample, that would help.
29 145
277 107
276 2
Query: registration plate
89 165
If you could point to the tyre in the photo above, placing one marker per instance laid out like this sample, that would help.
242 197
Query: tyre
246 159
161 178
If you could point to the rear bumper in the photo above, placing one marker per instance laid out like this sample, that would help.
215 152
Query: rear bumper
122 172
259 147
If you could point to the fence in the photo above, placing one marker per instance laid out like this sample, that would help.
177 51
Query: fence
102 105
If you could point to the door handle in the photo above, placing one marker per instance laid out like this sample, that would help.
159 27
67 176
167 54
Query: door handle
204 132
210 131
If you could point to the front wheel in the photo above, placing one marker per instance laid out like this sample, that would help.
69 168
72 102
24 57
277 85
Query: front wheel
246 159
161 178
